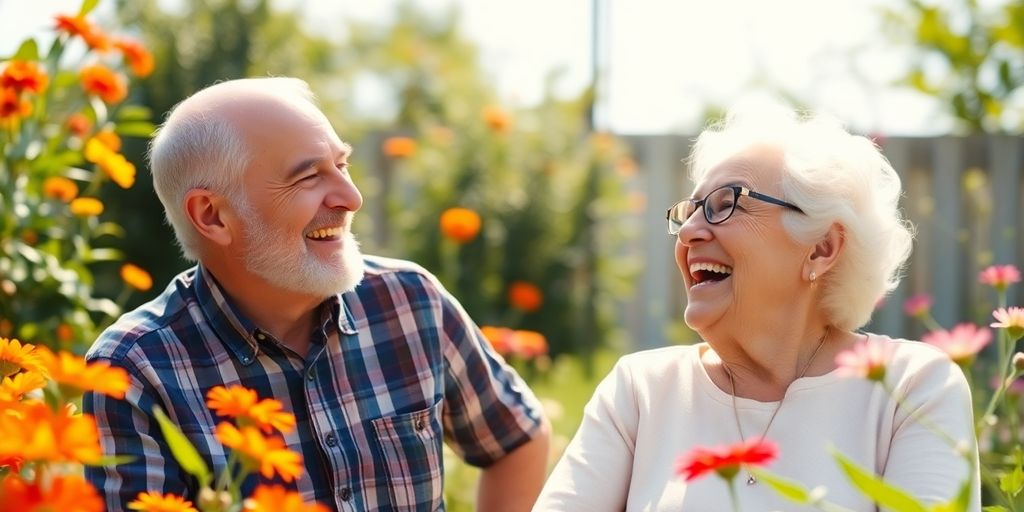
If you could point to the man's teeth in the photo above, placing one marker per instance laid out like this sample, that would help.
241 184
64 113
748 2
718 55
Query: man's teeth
712 267
318 234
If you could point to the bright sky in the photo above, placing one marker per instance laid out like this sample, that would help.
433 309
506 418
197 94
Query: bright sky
663 61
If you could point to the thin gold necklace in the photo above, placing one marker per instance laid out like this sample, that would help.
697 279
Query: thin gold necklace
751 480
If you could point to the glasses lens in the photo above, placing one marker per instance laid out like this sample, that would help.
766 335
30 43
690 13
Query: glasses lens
720 204
677 215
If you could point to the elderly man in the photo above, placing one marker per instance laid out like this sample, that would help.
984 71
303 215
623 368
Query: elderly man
378 363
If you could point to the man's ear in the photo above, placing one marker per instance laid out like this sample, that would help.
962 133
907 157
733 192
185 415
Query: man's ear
826 252
207 212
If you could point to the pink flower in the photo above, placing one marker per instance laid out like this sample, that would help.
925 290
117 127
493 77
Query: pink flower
1011 319
918 305
962 343
999 276
726 460
866 360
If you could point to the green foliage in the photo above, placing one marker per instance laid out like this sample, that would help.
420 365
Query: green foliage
547 192
57 266
970 55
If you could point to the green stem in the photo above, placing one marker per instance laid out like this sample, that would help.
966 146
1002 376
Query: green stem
732 495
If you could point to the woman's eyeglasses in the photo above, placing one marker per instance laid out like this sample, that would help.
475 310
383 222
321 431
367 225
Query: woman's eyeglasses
718 206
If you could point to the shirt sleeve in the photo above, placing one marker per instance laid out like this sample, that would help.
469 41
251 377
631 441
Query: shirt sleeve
489 411
933 435
595 469
127 429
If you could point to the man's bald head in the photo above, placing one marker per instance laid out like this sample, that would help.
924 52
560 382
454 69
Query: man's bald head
203 144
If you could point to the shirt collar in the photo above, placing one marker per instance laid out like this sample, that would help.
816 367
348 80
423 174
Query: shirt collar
241 335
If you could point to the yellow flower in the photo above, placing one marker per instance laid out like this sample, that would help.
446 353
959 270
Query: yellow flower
136 277
33 432
75 375
156 502
460 224
60 188
13 388
109 139
275 498
268 453
496 118
98 151
86 207
15 356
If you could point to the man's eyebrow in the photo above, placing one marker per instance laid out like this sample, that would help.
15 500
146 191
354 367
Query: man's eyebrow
299 168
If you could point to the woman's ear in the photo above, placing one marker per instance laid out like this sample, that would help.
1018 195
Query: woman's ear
826 252
206 210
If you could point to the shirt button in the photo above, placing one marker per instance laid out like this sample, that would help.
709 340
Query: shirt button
346 494
260 336
420 425
310 375
331 440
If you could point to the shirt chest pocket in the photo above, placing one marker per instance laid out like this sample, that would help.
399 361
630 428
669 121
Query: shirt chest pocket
411 446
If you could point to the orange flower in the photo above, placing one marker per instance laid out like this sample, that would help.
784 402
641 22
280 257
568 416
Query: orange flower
136 277
98 80
70 493
60 188
156 502
502 339
75 375
79 26
139 59
460 224
115 165
12 107
65 333
525 296
276 498
86 207
79 125
530 344
726 460
496 118
23 75
15 357
241 403
34 432
13 388
268 453
399 147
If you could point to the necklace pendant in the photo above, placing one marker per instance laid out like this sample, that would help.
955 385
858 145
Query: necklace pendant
751 480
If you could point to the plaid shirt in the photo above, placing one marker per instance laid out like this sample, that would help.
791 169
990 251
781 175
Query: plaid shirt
406 370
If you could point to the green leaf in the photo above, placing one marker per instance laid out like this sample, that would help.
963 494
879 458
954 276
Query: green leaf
182 449
87 7
111 460
136 129
27 51
995 508
134 113
1012 482
789 489
104 254
872 486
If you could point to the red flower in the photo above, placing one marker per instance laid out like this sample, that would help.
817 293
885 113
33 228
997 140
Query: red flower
525 296
12 107
99 80
137 56
726 460
23 75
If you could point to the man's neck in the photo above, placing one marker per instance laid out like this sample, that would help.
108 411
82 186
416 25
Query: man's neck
287 315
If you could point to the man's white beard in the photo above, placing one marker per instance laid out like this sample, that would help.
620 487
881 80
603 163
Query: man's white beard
283 261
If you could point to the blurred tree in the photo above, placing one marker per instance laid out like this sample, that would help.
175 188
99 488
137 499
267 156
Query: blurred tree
970 55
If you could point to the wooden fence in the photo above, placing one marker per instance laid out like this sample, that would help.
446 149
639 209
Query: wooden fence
965 195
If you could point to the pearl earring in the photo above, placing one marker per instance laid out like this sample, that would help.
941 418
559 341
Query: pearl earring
813 276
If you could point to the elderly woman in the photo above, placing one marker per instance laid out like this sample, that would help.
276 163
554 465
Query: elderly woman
791 236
